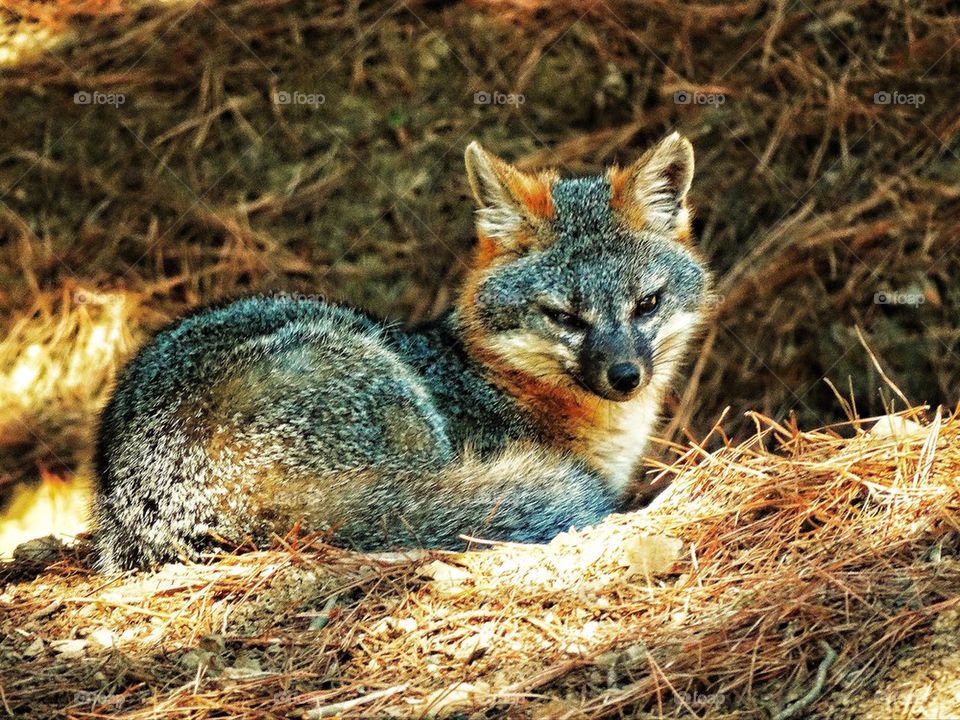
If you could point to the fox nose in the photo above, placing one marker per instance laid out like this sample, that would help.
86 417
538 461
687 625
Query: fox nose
624 376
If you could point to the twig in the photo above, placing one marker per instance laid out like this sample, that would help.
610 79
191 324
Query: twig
814 692
876 364
6 705
337 708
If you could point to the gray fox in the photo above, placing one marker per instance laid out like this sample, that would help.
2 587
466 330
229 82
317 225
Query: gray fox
519 413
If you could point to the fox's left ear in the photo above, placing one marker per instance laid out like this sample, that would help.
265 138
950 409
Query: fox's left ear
652 192
513 203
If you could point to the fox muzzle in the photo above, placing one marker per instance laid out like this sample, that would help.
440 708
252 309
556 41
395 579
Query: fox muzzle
612 368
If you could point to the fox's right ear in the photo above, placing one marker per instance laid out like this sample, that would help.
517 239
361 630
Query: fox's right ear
513 203
652 192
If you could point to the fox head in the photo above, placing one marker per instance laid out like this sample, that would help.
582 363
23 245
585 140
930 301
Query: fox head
586 284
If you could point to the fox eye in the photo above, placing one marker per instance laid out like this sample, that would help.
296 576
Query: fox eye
647 305
564 319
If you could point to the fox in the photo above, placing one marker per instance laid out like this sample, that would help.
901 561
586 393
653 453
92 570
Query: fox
521 412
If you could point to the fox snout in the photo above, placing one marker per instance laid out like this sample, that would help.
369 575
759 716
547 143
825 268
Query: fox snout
624 377
614 370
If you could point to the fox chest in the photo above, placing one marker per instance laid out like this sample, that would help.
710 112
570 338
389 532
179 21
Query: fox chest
616 442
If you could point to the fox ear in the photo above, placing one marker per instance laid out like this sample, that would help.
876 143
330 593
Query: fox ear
513 203
652 193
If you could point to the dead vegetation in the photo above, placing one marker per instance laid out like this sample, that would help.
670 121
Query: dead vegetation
822 209
759 585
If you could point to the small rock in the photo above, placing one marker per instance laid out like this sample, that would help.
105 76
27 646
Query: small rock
447 579
407 624
34 649
69 648
213 643
895 426
607 659
444 572
195 658
649 555
245 661
635 653
102 637
43 549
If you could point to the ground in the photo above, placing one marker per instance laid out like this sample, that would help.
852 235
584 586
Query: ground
813 581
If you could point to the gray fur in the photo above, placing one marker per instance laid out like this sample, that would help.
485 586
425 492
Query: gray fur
595 268
240 421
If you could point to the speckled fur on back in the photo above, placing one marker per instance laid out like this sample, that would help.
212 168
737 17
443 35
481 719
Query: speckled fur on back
506 418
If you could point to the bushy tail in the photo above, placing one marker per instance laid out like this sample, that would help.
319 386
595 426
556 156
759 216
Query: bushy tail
525 494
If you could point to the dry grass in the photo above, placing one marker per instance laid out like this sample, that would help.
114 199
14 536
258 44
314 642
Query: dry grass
830 545
812 198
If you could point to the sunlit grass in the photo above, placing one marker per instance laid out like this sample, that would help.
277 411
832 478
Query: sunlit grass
56 363
58 506
70 349
23 42
28 28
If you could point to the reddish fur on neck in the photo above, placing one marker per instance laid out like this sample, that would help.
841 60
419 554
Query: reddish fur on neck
561 412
